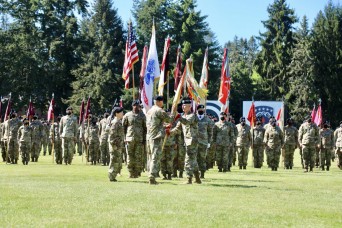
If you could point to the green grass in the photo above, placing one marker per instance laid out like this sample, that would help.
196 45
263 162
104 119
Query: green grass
46 195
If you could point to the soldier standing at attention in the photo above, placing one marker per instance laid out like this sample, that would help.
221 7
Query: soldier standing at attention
68 133
326 145
338 145
116 143
38 134
258 145
92 139
168 154
11 128
223 136
24 139
243 142
104 139
155 119
308 139
188 123
179 160
134 124
56 141
205 136
290 143
274 141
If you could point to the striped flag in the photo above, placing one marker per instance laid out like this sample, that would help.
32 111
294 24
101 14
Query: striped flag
131 55
30 110
164 67
87 110
318 117
313 113
143 68
224 91
178 70
152 72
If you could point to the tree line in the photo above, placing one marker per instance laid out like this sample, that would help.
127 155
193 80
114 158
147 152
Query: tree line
75 49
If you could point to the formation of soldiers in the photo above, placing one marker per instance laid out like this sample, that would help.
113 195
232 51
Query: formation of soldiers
169 144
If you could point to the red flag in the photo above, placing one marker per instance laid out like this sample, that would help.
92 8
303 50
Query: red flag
30 110
8 108
80 120
313 114
318 117
178 70
251 115
143 68
131 55
51 114
225 80
121 104
87 111
279 116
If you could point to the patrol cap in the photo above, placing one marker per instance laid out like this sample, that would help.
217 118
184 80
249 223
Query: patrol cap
223 114
158 98
242 119
117 110
288 120
186 101
136 102
200 106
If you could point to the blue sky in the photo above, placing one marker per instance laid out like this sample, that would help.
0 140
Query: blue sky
242 18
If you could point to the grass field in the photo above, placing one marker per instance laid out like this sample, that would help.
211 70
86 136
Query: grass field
46 195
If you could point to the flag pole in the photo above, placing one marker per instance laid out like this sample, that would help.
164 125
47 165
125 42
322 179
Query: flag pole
168 90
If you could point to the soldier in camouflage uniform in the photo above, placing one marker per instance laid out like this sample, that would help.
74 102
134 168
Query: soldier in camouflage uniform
290 143
326 146
24 139
91 137
38 134
155 118
205 137
308 139
134 124
338 145
104 146
243 142
116 143
2 145
11 128
223 137
179 160
274 141
46 145
68 133
55 140
168 154
188 122
266 126
258 145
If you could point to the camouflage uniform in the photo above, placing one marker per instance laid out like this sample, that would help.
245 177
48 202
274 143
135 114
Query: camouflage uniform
189 125
57 143
11 128
290 144
38 134
326 146
338 145
179 160
266 126
2 145
308 138
68 132
168 155
155 117
24 139
223 137
243 141
92 139
46 145
258 145
116 143
274 141
104 146
135 135
205 134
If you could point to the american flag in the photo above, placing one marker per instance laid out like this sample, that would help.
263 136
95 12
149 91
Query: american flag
131 55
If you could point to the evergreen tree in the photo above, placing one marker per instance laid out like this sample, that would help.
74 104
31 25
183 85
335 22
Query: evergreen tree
277 43
326 49
102 58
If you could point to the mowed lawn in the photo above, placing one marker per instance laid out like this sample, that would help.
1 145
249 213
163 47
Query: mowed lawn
47 195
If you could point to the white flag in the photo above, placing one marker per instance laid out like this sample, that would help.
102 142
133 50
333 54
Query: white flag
152 72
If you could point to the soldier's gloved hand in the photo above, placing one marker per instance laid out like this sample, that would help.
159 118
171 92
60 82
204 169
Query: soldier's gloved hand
208 146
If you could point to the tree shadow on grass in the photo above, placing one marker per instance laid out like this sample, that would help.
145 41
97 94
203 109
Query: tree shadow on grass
231 185
223 179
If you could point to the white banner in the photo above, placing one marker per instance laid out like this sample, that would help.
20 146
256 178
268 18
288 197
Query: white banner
263 109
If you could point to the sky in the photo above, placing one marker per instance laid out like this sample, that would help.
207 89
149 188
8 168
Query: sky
242 18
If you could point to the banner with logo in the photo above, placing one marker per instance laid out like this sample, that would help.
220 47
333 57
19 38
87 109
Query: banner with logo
263 109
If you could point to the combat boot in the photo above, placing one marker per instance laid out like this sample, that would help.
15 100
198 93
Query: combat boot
311 169
174 174
306 169
220 170
323 168
180 174
197 178
328 168
164 176
157 175
153 181
202 174
169 176
189 181
228 168
240 166
275 168
244 167
32 159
